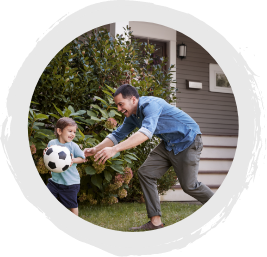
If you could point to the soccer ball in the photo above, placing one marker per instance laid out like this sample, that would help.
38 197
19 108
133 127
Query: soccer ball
57 158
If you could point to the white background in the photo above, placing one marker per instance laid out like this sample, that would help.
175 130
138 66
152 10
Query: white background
186 231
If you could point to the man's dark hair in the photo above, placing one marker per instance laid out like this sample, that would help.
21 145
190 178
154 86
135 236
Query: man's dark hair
127 91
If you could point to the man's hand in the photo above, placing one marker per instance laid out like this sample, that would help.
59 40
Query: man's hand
105 154
89 151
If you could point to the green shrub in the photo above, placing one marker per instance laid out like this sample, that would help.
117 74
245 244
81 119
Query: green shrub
79 83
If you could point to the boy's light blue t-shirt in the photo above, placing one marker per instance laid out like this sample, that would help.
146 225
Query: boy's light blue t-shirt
71 175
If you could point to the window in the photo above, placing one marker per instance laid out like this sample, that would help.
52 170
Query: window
159 53
218 80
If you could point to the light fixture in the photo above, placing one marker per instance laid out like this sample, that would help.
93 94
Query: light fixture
181 51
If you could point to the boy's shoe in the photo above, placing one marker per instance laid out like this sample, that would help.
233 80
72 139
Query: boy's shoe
148 226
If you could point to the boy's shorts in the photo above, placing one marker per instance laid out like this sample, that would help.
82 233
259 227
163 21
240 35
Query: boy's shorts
67 194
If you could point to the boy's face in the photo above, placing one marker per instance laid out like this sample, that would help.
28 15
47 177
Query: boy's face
67 135
126 106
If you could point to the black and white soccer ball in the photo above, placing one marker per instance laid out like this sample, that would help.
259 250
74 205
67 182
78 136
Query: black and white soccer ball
57 158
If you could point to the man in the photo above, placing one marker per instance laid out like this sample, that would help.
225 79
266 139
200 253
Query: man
180 147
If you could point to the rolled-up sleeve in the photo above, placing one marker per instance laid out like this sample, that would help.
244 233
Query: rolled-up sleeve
151 112
122 131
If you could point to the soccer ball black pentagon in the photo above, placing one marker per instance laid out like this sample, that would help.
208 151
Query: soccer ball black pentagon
57 158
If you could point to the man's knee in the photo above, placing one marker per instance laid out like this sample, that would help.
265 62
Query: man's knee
190 187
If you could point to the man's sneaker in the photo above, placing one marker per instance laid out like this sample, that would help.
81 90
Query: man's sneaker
148 226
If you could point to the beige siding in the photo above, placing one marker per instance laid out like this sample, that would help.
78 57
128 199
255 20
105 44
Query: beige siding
216 113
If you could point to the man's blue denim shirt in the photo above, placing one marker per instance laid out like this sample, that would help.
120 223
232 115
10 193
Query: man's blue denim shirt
154 116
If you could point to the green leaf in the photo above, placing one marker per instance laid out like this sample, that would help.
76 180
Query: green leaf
95 106
90 141
118 168
104 113
41 116
38 124
111 89
130 156
116 155
81 133
102 100
107 175
71 109
67 113
91 113
78 113
40 133
94 118
117 162
90 170
59 111
97 181
47 131
127 159
81 112
112 113
54 115
34 102
108 93
88 121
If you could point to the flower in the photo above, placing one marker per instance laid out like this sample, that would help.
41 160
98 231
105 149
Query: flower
122 193
128 174
41 166
33 149
111 123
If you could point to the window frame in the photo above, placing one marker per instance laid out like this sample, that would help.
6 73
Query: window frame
213 70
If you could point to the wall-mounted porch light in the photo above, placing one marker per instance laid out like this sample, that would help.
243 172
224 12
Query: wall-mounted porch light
181 51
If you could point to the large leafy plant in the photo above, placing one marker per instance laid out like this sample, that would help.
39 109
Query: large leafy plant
83 76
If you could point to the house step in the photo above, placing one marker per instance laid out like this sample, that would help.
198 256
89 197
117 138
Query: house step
177 194
211 177
212 151
219 140
215 161
216 164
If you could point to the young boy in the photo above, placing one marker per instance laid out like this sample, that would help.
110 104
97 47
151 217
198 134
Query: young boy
66 185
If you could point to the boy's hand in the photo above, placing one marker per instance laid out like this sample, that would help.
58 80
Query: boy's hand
89 151
71 160
45 150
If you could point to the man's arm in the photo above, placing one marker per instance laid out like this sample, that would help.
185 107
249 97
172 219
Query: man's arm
108 152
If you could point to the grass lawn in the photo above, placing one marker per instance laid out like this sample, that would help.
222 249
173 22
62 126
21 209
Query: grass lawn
122 216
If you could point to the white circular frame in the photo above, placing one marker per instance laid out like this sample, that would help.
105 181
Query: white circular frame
196 225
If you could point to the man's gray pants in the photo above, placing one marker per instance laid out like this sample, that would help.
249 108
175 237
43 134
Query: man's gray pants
185 165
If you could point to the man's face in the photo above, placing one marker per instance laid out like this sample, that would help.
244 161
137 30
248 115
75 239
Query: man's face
126 106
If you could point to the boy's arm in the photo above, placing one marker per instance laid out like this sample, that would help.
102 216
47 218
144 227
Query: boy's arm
78 160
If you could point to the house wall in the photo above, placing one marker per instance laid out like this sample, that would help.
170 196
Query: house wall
216 113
